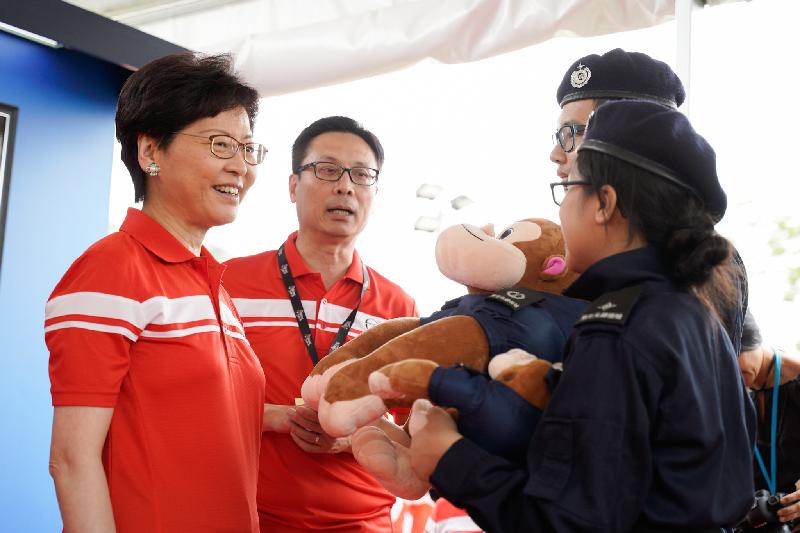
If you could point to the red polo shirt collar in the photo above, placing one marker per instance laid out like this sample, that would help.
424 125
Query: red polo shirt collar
300 268
157 239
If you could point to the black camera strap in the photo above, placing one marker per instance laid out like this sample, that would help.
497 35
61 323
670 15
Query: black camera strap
300 315
772 481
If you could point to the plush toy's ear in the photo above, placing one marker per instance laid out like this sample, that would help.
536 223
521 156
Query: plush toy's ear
555 265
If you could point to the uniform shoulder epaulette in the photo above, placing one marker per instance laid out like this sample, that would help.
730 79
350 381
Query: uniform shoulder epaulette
450 304
612 307
518 298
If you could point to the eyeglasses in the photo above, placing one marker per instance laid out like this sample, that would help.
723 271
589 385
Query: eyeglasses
559 189
565 136
325 171
225 147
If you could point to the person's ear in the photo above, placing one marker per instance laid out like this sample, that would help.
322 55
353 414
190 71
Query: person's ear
293 179
607 204
147 148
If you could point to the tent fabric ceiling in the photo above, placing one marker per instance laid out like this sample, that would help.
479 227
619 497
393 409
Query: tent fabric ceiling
282 46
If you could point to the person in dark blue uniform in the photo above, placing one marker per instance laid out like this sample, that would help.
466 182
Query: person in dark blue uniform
649 427
619 74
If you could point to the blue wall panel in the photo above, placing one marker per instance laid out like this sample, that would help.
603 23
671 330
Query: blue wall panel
57 206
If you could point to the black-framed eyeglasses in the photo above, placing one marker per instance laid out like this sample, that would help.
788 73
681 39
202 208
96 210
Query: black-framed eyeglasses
225 147
327 171
565 136
559 189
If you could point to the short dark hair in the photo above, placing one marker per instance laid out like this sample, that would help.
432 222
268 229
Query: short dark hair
672 220
333 125
168 94
751 334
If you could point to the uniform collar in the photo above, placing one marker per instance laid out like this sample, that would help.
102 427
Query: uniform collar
300 268
617 272
158 240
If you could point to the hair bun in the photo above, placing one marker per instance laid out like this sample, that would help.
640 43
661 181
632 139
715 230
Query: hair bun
694 252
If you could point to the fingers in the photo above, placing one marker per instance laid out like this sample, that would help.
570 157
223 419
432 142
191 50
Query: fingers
789 513
425 413
791 498
419 416
305 445
306 416
791 506
305 429
432 434
306 432
313 442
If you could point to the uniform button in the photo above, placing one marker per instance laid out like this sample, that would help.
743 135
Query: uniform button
324 301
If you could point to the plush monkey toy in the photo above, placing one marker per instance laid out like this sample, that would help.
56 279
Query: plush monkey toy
511 280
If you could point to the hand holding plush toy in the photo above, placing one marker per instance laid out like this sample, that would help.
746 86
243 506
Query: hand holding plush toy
525 258
491 413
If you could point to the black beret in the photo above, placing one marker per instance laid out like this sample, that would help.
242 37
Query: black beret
660 140
620 74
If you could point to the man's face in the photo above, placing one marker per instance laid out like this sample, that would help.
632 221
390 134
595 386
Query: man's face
339 209
573 113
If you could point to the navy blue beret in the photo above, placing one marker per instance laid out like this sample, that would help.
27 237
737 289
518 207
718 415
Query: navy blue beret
660 140
620 74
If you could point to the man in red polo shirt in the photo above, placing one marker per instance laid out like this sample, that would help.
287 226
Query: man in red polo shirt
298 302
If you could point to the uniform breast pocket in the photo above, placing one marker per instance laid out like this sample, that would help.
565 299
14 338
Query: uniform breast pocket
551 459
576 464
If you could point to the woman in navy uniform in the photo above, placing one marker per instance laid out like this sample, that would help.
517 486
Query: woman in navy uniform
649 427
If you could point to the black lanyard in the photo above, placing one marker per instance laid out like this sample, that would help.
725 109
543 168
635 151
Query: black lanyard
300 315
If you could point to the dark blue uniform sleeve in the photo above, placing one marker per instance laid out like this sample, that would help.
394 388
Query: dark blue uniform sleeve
489 412
588 464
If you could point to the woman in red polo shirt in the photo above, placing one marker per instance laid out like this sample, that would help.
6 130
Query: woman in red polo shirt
158 397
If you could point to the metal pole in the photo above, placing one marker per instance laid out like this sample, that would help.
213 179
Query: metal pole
683 60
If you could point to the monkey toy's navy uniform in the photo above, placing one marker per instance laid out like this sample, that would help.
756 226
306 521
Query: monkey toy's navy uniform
648 429
489 412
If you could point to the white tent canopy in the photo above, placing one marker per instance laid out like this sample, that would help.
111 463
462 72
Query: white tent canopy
282 46
482 129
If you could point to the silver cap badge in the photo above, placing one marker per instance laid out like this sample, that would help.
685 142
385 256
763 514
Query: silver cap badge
580 77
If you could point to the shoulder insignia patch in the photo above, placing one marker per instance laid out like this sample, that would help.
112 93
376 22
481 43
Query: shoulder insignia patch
516 299
612 307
